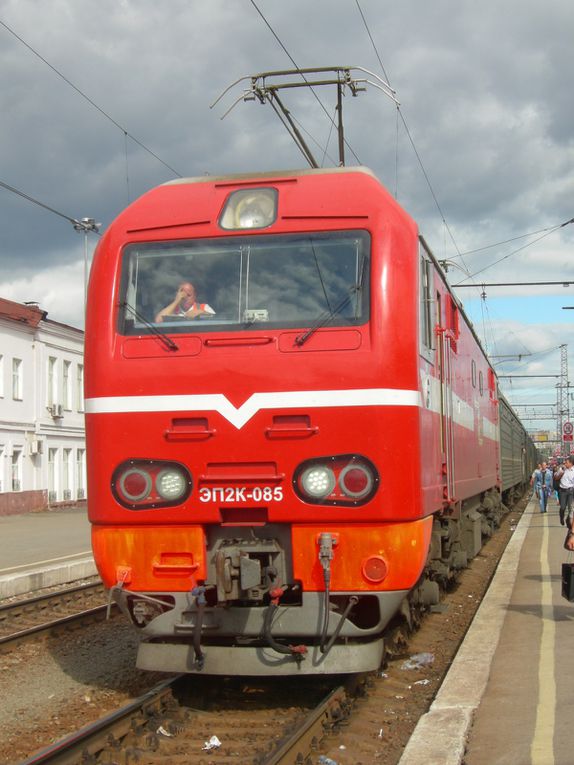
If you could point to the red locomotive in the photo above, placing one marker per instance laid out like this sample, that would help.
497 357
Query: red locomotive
293 431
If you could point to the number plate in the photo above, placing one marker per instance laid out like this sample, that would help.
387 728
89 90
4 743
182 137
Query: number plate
239 494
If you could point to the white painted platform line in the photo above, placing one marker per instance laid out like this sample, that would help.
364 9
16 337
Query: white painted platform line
463 687
542 747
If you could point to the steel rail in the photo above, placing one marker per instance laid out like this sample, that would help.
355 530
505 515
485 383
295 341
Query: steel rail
18 637
95 737
56 595
305 738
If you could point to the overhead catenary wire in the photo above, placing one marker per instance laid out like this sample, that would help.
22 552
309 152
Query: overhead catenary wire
562 282
53 210
504 241
423 170
89 100
430 186
485 312
428 181
411 140
519 249
425 174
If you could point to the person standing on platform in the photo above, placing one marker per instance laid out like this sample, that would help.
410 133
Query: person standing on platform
558 473
565 492
533 476
543 485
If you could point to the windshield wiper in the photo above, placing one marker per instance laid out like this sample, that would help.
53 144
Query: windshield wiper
164 339
329 314
326 316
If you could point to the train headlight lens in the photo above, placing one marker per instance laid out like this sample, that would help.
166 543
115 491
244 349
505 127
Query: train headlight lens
318 481
146 484
249 208
356 481
135 484
171 484
343 479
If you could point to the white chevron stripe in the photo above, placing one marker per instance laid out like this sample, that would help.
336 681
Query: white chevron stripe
239 416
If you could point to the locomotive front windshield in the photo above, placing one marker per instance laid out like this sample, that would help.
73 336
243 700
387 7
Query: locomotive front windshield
239 283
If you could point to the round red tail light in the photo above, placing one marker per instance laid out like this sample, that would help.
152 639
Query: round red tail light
135 485
356 481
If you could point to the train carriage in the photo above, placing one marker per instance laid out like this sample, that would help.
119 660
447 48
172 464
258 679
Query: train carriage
278 469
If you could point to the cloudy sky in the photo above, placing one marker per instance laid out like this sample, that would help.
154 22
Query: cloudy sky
102 100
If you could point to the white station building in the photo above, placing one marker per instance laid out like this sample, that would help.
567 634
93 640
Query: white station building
42 434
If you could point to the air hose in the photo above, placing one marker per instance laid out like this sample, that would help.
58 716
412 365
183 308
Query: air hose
353 600
296 651
326 545
200 602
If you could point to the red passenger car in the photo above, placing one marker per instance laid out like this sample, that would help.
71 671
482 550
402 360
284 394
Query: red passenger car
276 460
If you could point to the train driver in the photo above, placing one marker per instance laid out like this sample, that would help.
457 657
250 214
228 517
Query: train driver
185 304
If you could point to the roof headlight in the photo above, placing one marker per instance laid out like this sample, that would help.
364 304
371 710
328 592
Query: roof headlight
249 208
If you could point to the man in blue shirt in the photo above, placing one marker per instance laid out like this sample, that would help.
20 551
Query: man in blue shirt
543 485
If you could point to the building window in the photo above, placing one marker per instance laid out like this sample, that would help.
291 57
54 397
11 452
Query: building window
16 470
1 376
67 474
17 386
80 470
66 385
80 387
52 381
52 485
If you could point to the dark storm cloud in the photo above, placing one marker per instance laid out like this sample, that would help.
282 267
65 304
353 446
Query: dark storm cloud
484 89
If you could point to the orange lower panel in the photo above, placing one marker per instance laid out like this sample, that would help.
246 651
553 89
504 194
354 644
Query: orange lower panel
403 547
150 558
172 558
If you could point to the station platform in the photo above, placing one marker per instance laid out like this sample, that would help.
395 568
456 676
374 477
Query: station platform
44 549
506 699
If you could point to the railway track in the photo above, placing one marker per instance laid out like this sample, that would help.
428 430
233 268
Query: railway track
175 722
41 615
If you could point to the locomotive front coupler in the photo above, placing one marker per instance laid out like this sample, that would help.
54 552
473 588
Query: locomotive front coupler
246 569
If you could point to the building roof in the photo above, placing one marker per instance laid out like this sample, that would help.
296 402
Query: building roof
26 314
